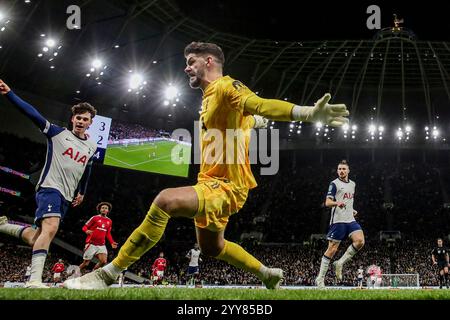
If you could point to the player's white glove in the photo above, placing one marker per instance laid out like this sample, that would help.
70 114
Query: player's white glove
330 114
260 122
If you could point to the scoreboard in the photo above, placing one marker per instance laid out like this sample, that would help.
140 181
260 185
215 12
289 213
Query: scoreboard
99 132
145 150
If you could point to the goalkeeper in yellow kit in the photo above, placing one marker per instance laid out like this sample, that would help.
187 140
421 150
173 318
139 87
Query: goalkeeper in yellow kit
222 186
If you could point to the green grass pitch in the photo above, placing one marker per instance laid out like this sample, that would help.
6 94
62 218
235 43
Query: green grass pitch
151 157
182 293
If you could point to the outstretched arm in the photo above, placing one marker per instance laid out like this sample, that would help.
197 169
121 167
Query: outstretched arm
331 114
24 107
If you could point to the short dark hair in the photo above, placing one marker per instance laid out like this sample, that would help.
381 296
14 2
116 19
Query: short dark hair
82 108
344 162
205 48
104 203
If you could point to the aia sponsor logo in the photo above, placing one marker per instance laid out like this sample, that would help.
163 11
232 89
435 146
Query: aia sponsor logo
348 195
77 157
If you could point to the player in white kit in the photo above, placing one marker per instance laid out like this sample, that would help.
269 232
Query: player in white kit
27 273
360 277
63 181
342 223
194 258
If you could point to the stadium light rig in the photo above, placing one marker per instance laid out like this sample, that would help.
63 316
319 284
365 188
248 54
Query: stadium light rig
171 95
319 126
380 132
96 70
50 43
372 129
171 92
50 49
293 127
97 63
354 128
345 128
435 133
349 131
408 130
136 83
432 133
376 132
3 22
399 134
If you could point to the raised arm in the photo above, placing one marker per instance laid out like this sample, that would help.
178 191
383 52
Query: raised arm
330 114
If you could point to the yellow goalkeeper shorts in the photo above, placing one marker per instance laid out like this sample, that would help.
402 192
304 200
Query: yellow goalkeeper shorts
218 200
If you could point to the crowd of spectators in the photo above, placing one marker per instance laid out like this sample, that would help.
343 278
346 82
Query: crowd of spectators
418 201
285 209
120 130
300 263
16 257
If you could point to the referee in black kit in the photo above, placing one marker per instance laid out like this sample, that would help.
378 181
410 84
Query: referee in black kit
439 255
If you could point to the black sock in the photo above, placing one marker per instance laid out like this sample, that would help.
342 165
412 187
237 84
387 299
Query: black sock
441 280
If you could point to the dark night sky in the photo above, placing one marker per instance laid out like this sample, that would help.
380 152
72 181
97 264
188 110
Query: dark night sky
317 20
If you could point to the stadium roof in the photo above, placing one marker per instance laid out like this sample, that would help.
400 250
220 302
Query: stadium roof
279 51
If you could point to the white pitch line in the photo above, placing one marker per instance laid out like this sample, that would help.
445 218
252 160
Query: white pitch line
121 148
137 164
127 164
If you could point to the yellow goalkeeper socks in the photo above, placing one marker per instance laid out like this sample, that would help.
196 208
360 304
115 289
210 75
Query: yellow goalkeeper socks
235 255
143 237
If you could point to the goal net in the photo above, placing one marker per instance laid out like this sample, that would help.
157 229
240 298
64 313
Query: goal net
399 280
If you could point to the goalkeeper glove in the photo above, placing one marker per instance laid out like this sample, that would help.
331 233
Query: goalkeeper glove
330 114
260 122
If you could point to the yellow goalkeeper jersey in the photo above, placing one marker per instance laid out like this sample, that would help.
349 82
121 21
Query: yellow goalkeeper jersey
225 133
